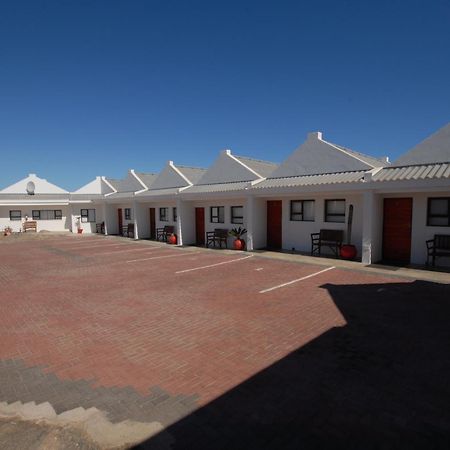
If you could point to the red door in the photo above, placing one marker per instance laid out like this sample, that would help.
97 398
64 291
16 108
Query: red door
152 224
120 220
200 226
397 218
274 208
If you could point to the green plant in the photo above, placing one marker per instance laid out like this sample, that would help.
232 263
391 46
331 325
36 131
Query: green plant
238 232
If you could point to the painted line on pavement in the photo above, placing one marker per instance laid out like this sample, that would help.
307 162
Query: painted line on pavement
129 250
214 265
297 280
156 257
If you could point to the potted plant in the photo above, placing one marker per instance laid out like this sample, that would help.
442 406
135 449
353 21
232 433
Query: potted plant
348 251
79 229
7 231
172 239
237 233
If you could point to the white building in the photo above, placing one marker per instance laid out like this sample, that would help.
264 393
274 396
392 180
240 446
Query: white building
396 208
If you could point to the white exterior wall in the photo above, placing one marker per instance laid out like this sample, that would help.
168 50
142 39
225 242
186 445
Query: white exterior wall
143 216
88 227
47 225
297 235
259 225
420 232
227 204
186 216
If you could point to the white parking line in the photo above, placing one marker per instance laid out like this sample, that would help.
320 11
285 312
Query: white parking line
214 265
157 257
295 281
87 246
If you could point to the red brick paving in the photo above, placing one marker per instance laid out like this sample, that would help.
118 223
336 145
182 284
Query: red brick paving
84 316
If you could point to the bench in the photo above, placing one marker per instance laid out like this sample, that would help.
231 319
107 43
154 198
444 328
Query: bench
100 228
128 230
326 238
217 237
438 246
163 233
30 225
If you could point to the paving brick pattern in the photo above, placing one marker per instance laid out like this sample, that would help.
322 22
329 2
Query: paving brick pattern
316 360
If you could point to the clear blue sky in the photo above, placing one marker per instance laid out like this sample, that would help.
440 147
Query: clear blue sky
97 87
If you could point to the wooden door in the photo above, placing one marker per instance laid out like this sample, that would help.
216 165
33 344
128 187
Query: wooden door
120 220
200 226
152 223
274 224
397 219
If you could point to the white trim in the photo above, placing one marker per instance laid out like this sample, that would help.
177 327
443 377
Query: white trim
228 153
114 190
178 171
350 154
140 181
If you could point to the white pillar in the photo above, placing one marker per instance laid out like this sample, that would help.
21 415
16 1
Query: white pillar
136 220
369 224
250 213
179 228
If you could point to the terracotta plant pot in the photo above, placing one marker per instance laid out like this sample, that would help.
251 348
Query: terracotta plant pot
239 244
80 230
348 251
172 239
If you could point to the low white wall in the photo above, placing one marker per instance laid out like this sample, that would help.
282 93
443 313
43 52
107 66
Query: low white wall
43 225
297 235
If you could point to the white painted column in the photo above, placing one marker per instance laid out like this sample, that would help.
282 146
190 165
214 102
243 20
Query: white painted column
250 212
136 219
106 217
369 223
179 228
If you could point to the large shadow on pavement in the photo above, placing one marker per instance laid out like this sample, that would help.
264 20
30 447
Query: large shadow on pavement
381 381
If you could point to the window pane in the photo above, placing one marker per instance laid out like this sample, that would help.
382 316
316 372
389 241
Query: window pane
308 210
439 206
438 221
335 206
296 207
91 215
336 219
221 214
36 214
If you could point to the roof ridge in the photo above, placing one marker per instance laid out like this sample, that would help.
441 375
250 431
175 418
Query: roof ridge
190 167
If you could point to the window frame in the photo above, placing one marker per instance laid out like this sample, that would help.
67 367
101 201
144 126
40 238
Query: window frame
16 219
327 215
234 217
292 213
174 214
36 214
164 217
85 217
127 213
213 217
429 216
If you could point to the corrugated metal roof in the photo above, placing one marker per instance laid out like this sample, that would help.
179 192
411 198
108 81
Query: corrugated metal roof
129 195
415 172
158 192
128 184
263 168
218 187
193 174
147 178
35 197
310 180
374 162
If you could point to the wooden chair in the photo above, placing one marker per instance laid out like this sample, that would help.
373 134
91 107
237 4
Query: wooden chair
217 237
163 233
100 228
438 246
30 225
326 238
128 230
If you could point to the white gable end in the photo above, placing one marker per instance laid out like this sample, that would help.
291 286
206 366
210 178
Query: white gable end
226 169
96 186
317 156
169 178
434 149
34 183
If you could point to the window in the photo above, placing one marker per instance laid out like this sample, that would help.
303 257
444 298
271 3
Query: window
217 214
164 214
127 213
302 210
438 212
15 214
87 215
47 214
237 214
174 212
335 211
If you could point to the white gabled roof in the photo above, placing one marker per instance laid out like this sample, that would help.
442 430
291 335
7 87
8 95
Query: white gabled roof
434 149
35 184
96 186
317 156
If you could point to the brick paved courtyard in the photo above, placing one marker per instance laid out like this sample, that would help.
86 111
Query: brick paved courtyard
219 350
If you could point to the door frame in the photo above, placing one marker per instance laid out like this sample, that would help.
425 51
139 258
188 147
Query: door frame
200 241
152 215
280 237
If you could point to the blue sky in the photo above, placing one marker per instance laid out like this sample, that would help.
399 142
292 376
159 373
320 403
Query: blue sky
97 87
